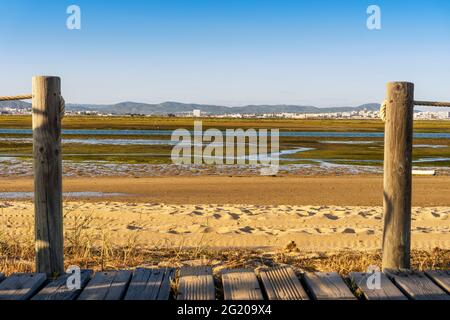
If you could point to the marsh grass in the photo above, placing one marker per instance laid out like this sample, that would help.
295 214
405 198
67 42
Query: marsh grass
340 151
166 123
98 252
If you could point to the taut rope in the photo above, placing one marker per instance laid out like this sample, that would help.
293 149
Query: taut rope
62 105
12 98
416 103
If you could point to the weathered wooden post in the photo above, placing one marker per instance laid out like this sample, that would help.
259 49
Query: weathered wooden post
48 175
398 175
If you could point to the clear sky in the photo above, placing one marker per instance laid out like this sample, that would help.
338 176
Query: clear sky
225 51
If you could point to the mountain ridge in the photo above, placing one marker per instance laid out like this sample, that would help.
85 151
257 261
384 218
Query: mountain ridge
171 107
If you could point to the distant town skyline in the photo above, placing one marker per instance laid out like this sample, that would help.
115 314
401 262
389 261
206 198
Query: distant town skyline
231 53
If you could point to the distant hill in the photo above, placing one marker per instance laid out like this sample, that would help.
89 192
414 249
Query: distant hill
177 108
15 104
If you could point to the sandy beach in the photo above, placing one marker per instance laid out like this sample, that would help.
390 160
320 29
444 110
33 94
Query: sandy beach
319 214
313 228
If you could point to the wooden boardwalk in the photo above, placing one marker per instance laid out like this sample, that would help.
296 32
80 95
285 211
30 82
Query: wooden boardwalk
199 283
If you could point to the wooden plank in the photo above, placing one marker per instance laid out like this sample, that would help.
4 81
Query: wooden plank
150 284
58 289
386 291
327 286
441 277
417 286
21 286
48 175
241 284
164 290
107 285
196 283
282 284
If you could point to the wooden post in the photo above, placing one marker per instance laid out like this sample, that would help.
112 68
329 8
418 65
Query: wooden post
48 175
398 175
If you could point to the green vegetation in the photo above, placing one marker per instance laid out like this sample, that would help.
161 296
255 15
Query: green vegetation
143 123
336 150
358 151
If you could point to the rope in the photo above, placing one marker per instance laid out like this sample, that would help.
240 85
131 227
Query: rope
62 105
432 104
12 98
383 111
416 103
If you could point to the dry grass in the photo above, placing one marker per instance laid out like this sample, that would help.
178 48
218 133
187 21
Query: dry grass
99 253
92 248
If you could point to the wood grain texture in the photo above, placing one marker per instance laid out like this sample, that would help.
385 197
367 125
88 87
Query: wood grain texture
441 277
386 291
107 285
150 284
48 175
241 284
58 290
21 286
196 283
281 283
398 175
327 286
417 286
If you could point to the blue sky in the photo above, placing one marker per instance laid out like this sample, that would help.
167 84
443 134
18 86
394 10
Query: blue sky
227 52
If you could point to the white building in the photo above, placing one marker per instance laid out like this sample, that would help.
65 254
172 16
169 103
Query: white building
432 115
196 113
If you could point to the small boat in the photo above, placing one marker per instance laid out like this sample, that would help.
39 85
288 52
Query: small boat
424 172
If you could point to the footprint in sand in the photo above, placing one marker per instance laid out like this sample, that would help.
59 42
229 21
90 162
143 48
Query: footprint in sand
233 216
423 230
216 216
247 229
349 231
134 228
435 214
331 216
366 214
225 230
305 231
207 230
246 211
